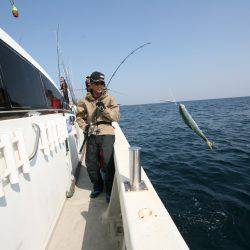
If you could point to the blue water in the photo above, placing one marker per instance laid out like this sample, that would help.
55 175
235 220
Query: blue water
207 193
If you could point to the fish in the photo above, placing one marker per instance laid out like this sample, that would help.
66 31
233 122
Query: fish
187 118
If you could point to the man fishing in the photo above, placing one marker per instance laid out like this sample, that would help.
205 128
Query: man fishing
87 83
96 112
64 89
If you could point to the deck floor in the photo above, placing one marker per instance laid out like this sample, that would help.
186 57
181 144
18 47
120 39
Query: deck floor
80 224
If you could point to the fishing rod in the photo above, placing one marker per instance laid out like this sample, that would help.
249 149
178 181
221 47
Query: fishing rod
58 52
61 62
131 53
68 80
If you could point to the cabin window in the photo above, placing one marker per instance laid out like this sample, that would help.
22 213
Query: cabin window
21 81
4 103
53 96
3 98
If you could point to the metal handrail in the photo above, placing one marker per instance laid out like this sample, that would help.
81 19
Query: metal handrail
33 110
38 132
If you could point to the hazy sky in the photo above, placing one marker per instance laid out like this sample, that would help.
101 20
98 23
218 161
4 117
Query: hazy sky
199 50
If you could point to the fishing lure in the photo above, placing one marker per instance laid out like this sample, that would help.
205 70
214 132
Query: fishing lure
14 9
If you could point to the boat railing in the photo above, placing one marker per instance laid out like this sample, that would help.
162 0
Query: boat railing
13 147
36 145
146 222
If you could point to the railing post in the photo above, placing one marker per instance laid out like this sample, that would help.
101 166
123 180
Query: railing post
135 167
135 183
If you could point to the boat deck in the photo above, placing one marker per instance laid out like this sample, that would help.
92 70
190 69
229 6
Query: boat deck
80 224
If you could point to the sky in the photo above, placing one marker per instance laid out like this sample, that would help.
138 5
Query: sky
199 49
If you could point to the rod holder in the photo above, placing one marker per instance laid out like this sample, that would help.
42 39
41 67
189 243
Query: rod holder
135 183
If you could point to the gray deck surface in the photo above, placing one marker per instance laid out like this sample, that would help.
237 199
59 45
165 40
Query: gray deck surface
80 225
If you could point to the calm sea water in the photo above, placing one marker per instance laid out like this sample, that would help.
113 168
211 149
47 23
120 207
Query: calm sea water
206 192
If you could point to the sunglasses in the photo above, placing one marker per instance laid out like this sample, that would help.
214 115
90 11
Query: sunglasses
99 83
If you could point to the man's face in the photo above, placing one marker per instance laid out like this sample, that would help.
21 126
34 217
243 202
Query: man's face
98 87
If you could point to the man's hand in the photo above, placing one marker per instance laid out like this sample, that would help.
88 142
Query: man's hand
86 129
100 105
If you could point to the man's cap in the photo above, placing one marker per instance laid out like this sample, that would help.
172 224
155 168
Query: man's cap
97 77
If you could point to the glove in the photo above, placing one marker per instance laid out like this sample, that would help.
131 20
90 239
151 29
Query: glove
100 105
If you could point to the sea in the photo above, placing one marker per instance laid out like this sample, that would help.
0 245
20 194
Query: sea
206 192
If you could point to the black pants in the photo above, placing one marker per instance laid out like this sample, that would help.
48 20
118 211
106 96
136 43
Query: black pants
96 143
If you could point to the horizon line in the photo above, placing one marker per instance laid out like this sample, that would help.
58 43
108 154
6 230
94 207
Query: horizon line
190 100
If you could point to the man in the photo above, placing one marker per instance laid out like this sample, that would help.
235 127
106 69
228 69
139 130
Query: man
54 102
64 89
100 109
87 83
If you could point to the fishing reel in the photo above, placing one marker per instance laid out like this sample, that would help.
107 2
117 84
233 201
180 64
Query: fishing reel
90 129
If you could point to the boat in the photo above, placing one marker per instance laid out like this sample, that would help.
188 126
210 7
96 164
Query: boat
167 101
39 145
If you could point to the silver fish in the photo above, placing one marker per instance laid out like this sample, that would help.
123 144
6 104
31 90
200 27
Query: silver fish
187 118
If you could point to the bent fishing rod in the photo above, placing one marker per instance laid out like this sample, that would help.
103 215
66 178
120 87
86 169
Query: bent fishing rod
123 61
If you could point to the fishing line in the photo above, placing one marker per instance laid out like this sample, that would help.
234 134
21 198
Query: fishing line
117 92
172 95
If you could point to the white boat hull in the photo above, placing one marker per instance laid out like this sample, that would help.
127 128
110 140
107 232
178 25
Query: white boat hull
30 208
